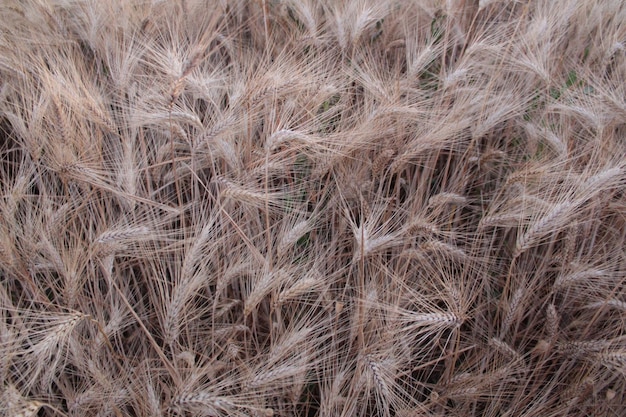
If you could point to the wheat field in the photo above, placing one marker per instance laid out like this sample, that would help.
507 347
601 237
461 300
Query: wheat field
313 208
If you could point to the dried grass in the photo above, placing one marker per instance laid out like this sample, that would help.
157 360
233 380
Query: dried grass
312 208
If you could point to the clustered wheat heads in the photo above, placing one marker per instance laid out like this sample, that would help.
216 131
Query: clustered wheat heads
312 208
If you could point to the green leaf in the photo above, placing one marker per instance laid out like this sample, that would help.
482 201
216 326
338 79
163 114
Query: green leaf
572 79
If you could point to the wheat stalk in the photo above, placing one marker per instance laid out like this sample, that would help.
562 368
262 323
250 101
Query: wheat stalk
262 287
381 162
120 235
565 280
615 360
552 323
420 225
299 288
378 371
505 349
512 310
447 249
613 302
302 208
269 377
447 198
550 222
248 196
417 320
367 244
213 404
294 234
277 138
578 348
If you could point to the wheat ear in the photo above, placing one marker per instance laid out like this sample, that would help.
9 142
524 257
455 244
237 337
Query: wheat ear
549 223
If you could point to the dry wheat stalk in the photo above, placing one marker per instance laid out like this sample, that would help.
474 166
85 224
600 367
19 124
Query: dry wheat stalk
271 376
417 320
420 225
249 196
604 179
381 162
213 404
613 302
615 360
549 223
379 373
117 321
174 313
16 405
120 235
502 220
578 348
63 124
367 244
51 339
262 287
505 349
552 323
277 138
294 234
447 249
563 281
512 310
299 288
290 343
447 198
426 150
